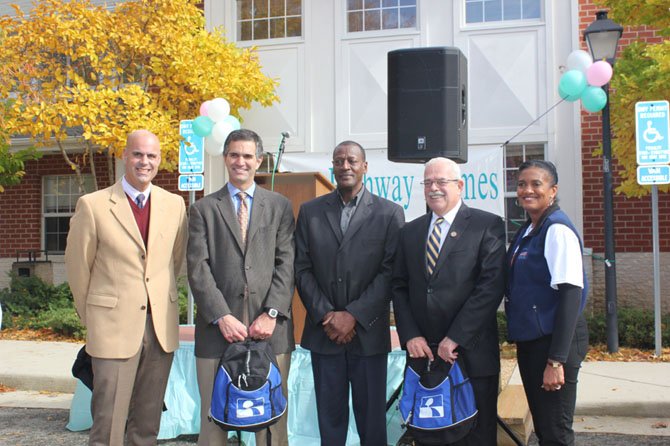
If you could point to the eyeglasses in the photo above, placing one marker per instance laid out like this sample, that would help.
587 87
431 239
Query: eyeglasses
440 182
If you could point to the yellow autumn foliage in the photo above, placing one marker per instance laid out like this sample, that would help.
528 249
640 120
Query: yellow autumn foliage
72 69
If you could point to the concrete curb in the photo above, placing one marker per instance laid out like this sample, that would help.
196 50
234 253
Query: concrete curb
38 366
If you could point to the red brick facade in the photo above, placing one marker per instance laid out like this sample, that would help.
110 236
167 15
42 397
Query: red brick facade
632 216
21 205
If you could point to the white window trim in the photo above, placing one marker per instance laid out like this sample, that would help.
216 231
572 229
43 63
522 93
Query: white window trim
56 214
502 24
269 41
346 35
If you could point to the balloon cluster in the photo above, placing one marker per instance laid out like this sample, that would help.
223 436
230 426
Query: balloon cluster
584 79
214 124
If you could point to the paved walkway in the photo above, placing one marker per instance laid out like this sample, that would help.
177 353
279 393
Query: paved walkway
608 391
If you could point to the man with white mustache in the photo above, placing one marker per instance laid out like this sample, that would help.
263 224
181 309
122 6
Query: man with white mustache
448 281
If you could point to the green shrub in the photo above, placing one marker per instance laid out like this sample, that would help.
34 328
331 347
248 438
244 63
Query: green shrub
636 328
61 320
26 296
502 326
29 302
182 290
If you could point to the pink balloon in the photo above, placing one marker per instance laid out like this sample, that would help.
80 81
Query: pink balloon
599 73
204 109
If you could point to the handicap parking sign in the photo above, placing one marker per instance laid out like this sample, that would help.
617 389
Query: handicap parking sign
651 132
191 149
653 175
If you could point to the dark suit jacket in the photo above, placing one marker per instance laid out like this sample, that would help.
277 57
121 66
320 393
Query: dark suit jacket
347 272
461 297
219 266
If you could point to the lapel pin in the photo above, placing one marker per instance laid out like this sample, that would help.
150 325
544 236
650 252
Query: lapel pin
453 233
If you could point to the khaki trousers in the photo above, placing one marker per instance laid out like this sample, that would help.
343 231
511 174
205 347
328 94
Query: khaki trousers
213 435
128 394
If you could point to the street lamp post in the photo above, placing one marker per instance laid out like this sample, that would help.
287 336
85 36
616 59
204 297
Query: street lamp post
602 37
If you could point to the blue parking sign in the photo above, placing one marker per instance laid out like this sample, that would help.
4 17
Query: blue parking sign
651 132
191 149
191 182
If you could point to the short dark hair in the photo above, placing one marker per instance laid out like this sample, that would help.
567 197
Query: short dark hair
547 166
244 135
350 143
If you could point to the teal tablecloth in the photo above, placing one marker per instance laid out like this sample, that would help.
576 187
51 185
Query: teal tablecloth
183 401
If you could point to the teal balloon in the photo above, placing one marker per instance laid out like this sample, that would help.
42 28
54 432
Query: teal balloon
233 121
567 97
594 99
572 83
202 125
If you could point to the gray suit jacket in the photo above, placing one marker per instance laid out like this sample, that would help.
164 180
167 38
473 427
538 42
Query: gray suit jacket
219 266
347 272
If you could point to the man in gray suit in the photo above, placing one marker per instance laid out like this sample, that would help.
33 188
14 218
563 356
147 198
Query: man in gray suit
345 243
240 268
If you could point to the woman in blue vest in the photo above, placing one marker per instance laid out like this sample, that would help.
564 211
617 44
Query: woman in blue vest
546 293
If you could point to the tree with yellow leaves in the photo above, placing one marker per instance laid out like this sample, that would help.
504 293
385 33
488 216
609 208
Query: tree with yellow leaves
73 71
642 73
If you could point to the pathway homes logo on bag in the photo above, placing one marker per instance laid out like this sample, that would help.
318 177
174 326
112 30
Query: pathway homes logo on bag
250 407
431 407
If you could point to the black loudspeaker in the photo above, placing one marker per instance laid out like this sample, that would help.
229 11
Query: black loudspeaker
427 97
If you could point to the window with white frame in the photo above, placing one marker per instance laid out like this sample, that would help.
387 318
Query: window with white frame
375 15
483 11
515 154
59 198
268 19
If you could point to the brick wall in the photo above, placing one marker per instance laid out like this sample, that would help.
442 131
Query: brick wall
21 205
632 216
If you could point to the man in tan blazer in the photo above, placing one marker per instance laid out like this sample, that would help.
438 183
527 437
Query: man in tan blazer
241 275
125 249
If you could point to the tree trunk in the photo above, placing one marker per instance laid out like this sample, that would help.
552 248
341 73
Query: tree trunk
74 166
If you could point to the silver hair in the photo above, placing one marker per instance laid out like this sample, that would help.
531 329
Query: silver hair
455 168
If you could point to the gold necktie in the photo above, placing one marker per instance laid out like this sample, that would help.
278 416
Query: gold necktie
243 216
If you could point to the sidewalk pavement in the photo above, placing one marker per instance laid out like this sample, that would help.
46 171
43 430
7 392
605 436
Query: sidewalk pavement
41 373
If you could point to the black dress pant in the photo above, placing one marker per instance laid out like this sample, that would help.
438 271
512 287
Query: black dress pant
552 411
367 375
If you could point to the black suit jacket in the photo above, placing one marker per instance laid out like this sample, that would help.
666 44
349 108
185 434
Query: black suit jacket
461 297
347 272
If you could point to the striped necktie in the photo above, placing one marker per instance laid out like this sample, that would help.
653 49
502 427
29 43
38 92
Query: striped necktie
140 201
243 216
433 246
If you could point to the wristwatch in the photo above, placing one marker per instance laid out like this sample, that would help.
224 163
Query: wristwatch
272 312
554 364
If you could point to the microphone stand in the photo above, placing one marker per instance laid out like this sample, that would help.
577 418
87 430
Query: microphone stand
280 152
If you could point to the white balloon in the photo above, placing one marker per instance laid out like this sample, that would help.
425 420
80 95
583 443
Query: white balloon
579 60
218 109
212 147
221 130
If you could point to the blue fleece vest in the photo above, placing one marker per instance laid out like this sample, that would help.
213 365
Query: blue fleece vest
531 303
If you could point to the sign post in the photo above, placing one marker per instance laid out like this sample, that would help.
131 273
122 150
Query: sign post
652 123
191 178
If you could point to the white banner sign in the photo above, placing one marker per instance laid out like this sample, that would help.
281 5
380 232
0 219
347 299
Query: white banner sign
401 182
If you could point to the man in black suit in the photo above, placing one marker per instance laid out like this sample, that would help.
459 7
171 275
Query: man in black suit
448 296
345 243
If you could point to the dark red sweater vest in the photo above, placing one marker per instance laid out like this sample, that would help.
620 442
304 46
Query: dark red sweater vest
142 218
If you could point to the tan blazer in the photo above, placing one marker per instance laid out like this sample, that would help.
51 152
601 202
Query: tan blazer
112 275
